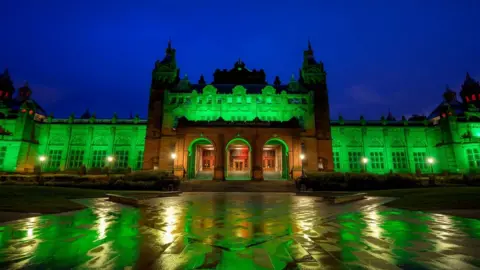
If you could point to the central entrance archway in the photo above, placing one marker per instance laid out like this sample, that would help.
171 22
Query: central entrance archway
238 160
201 159
275 160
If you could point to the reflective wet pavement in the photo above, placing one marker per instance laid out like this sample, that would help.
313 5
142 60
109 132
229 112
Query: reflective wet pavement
241 231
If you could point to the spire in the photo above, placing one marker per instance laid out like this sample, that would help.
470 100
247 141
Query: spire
310 46
86 114
277 82
201 80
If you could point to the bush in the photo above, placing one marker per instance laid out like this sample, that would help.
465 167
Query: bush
357 181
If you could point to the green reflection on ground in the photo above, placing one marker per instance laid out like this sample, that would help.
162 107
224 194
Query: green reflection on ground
237 231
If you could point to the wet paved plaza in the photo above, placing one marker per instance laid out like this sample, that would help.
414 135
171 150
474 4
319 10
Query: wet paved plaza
241 231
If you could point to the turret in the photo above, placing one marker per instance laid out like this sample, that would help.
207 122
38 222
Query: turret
470 92
6 86
24 92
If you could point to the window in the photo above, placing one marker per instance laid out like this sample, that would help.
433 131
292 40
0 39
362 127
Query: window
121 159
229 99
219 101
98 158
139 164
53 160
474 97
173 100
473 156
419 158
399 160
209 100
354 160
336 160
75 159
249 99
239 99
268 100
3 153
199 100
377 160
467 99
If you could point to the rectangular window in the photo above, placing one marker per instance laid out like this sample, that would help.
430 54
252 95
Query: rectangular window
121 159
473 156
229 99
239 99
219 101
377 161
209 100
99 158
53 160
419 158
336 160
249 100
139 164
354 160
399 160
3 154
75 159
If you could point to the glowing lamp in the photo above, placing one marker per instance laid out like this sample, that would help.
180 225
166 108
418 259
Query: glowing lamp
430 160
173 155
42 158
364 160
109 158
302 156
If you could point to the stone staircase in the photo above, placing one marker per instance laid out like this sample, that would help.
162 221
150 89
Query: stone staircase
237 186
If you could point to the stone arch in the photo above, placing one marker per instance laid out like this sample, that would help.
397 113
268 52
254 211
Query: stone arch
191 152
239 139
242 174
285 149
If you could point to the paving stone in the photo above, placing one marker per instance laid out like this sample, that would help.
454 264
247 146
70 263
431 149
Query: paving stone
241 231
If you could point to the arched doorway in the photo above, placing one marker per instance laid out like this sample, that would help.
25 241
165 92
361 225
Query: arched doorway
238 160
275 160
201 159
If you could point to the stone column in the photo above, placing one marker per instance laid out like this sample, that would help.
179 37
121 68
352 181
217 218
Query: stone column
179 162
218 174
257 151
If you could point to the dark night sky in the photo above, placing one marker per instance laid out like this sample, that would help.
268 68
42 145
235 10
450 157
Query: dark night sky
379 55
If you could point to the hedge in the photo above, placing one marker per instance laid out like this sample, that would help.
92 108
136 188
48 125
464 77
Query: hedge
368 181
133 181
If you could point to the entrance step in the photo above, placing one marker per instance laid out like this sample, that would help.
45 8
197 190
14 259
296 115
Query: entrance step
237 186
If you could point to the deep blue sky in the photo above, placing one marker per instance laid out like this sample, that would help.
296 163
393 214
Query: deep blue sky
379 55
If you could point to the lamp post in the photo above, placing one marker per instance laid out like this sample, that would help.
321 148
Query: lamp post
430 161
364 162
110 160
42 160
302 157
173 156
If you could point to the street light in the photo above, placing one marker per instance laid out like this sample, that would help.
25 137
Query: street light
302 157
365 161
430 161
110 159
42 160
173 155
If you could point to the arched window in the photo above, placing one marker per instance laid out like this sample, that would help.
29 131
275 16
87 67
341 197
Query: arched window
474 97
467 99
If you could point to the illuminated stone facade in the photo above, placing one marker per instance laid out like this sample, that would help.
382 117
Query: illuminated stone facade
240 127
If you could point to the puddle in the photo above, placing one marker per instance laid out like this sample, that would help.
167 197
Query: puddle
240 231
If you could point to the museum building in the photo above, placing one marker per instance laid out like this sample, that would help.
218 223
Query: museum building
240 127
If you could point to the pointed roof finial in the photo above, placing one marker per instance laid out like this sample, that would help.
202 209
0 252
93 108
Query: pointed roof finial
293 77
169 43
309 45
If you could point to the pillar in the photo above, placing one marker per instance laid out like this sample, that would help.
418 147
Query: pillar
219 169
256 155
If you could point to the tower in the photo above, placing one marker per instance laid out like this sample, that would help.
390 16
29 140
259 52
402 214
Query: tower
6 87
313 78
165 76
470 92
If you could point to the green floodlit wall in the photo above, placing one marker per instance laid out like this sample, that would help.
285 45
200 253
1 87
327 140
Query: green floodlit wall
67 143
209 105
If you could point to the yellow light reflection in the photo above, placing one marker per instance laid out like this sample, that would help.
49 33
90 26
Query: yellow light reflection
171 222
